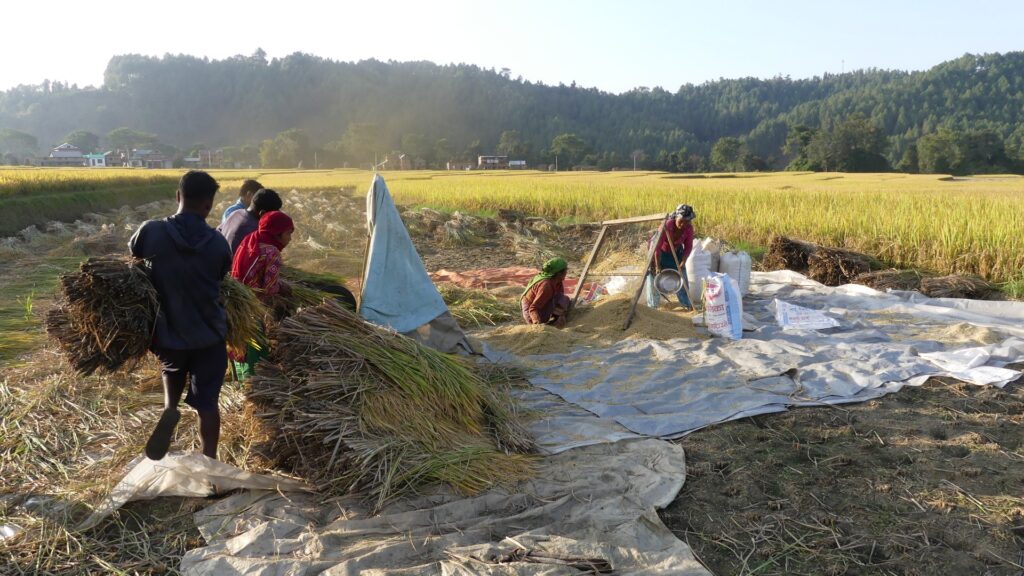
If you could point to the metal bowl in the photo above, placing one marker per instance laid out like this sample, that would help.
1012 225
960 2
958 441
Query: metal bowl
668 282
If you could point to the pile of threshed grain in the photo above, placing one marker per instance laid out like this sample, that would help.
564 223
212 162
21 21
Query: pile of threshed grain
106 314
359 409
599 324
830 266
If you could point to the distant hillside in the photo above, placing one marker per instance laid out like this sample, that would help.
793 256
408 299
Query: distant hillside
347 112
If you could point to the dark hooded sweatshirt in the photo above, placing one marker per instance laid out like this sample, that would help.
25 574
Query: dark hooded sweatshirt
187 261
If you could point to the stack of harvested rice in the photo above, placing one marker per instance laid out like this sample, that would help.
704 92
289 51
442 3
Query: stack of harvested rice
954 286
836 267
359 409
830 266
890 279
476 308
311 289
106 314
787 254
245 316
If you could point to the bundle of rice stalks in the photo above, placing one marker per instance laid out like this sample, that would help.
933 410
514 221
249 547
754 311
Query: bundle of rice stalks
476 308
245 316
458 231
311 289
954 286
364 410
890 279
105 315
787 254
836 267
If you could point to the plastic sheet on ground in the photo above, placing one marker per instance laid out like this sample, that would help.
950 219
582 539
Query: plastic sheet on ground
180 474
884 341
590 507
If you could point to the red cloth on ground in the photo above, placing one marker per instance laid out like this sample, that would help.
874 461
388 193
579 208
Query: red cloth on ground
487 278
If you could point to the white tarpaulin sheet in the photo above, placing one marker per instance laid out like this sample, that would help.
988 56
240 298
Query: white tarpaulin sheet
882 343
590 508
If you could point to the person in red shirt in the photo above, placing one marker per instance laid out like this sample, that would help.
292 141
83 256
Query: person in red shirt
678 238
544 300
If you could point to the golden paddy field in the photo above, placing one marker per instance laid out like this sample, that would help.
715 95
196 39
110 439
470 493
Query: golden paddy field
959 225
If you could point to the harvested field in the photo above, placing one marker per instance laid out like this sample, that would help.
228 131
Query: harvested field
926 481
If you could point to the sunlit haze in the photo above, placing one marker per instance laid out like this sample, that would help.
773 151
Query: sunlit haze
614 46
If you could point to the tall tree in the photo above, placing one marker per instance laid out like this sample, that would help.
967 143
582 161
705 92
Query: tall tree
17 146
126 139
569 148
87 141
937 153
727 154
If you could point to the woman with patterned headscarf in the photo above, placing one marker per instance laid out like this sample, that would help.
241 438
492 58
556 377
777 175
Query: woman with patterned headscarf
544 300
257 262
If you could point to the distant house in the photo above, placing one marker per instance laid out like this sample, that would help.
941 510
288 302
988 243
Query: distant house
64 155
517 164
459 165
99 160
141 158
492 162
192 162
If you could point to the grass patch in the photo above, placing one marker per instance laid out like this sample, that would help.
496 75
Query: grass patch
23 211
25 292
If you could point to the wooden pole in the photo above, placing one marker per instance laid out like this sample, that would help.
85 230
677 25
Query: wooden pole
634 220
586 267
686 285
362 276
650 256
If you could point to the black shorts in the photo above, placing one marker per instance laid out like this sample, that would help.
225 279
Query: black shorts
204 368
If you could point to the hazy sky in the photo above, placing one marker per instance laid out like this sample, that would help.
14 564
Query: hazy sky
613 45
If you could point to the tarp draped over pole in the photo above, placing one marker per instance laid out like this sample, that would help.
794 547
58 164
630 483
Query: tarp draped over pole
397 292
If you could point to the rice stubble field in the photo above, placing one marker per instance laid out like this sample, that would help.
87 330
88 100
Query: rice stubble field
927 481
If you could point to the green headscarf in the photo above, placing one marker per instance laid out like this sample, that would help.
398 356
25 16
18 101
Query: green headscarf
551 268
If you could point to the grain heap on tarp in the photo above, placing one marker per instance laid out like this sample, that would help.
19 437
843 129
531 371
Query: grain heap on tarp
105 314
360 409
596 325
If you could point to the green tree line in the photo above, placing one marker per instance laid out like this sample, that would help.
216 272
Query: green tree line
964 115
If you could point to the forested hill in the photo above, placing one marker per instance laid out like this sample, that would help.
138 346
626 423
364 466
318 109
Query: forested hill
971 110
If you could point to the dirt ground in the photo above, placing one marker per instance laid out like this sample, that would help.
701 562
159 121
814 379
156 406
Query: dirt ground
926 481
